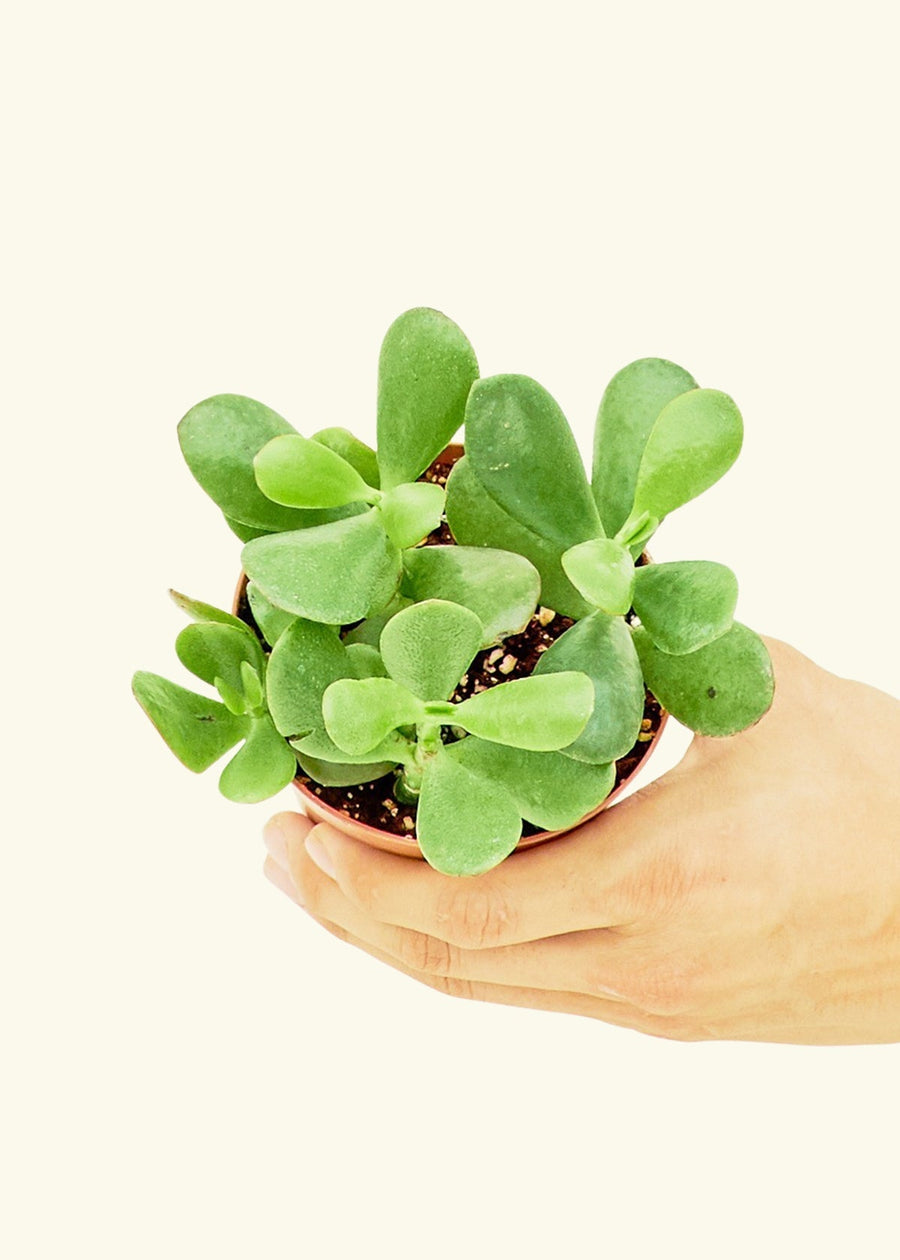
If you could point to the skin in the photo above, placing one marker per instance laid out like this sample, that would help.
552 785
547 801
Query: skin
752 893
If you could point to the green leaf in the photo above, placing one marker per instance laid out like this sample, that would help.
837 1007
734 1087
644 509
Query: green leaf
411 511
601 647
425 371
360 713
252 685
210 650
219 439
336 573
685 604
502 589
272 621
475 520
306 660
198 611
524 454
695 440
261 768
355 452
540 713
299 472
365 661
550 789
395 749
246 533
198 730
628 410
718 690
429 646
464 825
232 699
603 572
343 774
369 631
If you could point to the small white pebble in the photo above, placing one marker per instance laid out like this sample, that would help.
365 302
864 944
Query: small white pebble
508 664
495 656
545 615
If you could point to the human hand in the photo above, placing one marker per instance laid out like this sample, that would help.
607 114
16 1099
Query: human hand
752 893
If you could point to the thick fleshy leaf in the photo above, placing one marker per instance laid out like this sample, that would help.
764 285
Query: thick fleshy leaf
210 649
429 646
523 452
369 631
425 371
501 588
360 713
475 520
219 439
550 789
301 473
601 647
252 686
394 750
685 604
603 572
272 621
540 713
355 452
335 573
198 611
197 729
695 440
342 774
718 690
464 825
411 511
261 768
628 410
232 699
365 661
246 533
306 660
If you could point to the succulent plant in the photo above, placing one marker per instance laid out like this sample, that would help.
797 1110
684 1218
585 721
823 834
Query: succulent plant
660 440
364 633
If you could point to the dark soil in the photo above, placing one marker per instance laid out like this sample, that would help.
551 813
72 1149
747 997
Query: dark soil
374 803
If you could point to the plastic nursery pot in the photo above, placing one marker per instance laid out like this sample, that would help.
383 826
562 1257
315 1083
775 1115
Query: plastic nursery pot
407 845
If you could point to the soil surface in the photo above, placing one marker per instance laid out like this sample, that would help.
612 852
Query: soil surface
374 803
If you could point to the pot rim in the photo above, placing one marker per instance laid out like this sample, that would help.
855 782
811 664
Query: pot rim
408 846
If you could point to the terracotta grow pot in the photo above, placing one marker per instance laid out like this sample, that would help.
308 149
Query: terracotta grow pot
407 846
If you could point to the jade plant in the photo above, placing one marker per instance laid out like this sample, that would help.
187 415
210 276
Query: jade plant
659 441
364 615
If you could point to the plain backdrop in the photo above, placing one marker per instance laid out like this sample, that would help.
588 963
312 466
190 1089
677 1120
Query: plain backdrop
227 197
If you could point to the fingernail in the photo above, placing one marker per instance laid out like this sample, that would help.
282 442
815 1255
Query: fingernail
276 843
319 854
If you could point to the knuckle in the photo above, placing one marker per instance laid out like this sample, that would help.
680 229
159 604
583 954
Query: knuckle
667 988
476 915
360 886
426 954
453 986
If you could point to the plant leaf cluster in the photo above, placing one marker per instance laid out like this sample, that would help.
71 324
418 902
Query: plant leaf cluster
367 627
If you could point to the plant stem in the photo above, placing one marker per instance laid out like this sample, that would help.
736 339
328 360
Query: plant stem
428 742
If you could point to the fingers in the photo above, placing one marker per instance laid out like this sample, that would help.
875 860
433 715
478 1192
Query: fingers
610 1012
608 1009
593 878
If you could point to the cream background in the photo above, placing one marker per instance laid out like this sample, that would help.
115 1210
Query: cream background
206 197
